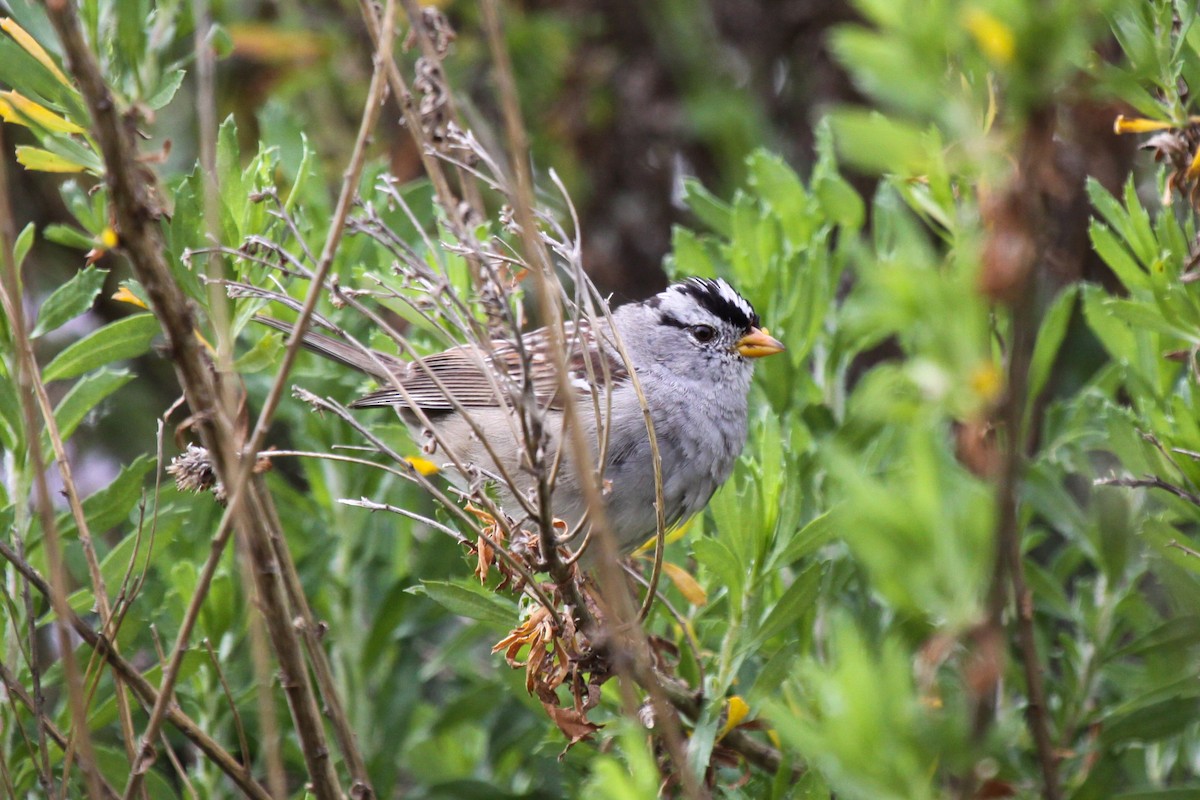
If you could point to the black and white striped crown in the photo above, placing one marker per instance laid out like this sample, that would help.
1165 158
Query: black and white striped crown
720 299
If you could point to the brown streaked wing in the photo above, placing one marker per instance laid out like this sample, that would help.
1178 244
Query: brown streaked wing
461 374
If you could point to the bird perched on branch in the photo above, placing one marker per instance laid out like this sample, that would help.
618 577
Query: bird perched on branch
693 348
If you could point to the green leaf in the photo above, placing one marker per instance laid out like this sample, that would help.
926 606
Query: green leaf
840 202
131 30
707 207
722 563
69 237
125 338
779 667
23 243
114 764
1114 334
69 301
11 425
689 255
1174 636
778 186
264 355
791 608
38 159
26 75
472 601
1129 220
74 151
1049 340
111 505
886 67
1152 722
1144 316
880 145
167 88
814 534
83 397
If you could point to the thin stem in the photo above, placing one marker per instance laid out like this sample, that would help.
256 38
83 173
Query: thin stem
27 381
1009 568
131 191
616 594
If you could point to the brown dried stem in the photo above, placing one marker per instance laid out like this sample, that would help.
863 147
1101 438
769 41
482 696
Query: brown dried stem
1009 571
425 150
1151 482
135 209
628 644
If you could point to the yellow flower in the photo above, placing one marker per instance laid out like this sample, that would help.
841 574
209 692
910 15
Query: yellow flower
993 36
1194 168
422 466
986 381
736 710
126 296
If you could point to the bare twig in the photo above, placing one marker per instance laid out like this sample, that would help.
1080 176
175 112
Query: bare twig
1183 548
1009 571
306 622
623 622
450 204
552 316
1151 482
260 661
131 186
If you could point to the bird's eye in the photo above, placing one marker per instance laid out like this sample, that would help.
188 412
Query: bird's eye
703 333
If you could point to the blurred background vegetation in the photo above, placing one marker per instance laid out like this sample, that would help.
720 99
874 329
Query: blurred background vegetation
957 559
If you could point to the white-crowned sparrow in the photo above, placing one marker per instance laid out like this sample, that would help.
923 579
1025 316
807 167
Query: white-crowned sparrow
693 347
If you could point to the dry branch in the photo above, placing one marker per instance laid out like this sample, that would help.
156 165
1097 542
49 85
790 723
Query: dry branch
132 190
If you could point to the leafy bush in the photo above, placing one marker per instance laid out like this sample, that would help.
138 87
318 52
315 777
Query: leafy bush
956 560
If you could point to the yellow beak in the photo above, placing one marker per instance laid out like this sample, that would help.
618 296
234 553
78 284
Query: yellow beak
758 343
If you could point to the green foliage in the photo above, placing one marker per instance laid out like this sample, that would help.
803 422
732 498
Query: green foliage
845 577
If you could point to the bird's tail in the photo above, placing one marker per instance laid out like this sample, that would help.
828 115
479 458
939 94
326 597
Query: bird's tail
378 365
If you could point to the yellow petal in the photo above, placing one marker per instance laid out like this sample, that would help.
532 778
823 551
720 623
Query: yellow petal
20 110
30 45
1193 169
1139 125
993 36
39 160
126 296
673 535
736 710
987 381
422 466
108 237
688 586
